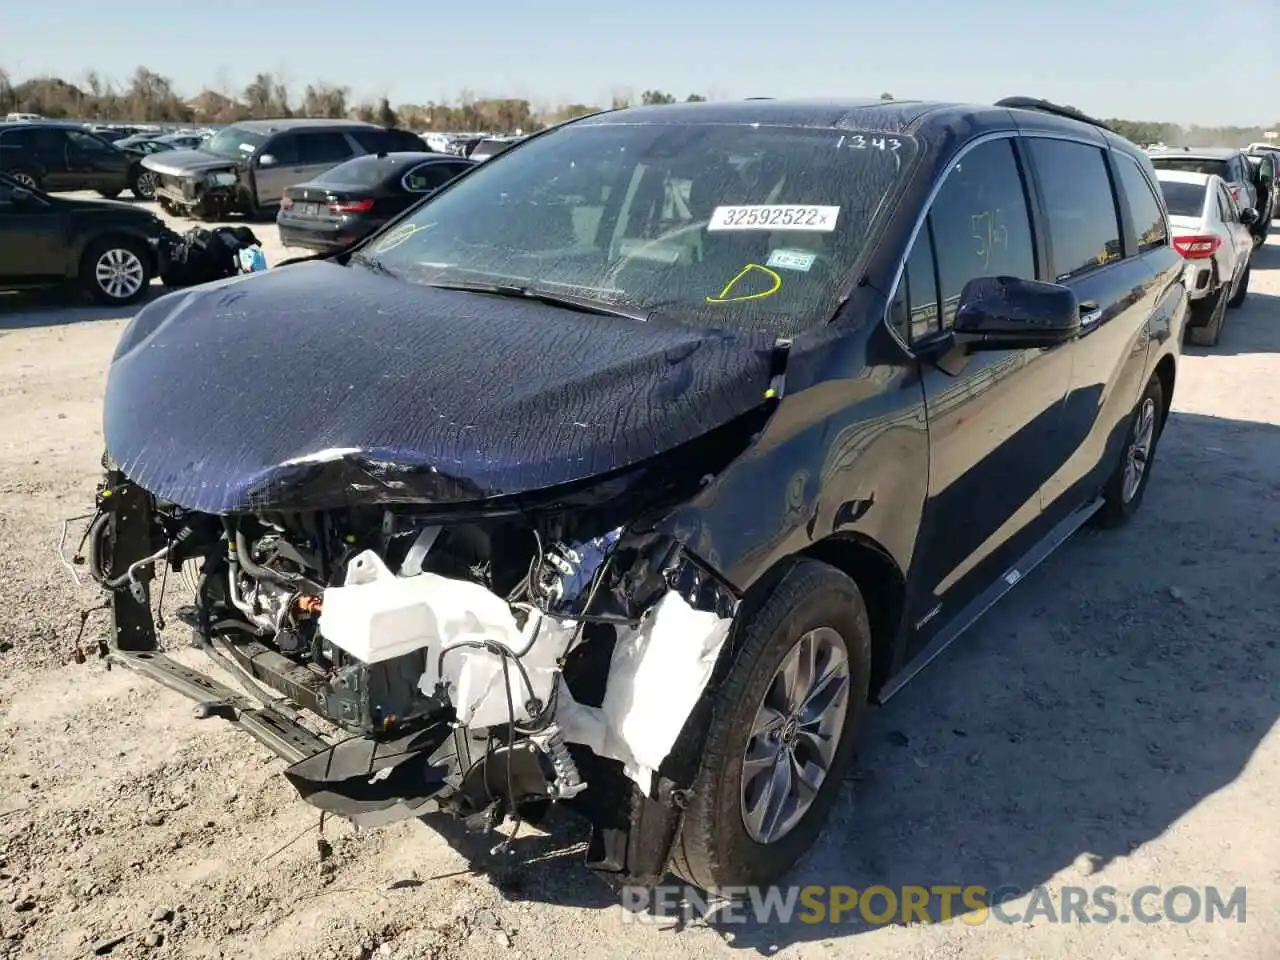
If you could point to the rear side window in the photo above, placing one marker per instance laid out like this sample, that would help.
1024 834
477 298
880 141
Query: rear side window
1183 199
1144 208
323 146
1084 233
429 176
980 223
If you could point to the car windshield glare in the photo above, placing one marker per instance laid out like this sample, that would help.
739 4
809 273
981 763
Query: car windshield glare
731 226
233 143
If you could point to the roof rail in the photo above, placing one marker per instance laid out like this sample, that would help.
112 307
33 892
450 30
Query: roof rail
1045 106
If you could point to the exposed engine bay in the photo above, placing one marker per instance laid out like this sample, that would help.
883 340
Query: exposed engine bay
480 665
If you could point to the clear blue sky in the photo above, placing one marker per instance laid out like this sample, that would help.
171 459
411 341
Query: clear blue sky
1138 59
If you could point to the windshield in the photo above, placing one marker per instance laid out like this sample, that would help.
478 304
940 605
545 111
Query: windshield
1183 199
233 143
732 226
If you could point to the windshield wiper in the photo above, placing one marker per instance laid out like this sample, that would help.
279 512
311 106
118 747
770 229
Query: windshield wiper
565 300
371 263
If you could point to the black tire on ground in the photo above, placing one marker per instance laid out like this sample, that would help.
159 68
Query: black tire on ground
713 848
1242 290
117 252
27 178
1119 503
1206 334
109 194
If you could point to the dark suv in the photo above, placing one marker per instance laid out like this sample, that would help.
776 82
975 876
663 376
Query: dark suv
625 470
52 156
246 167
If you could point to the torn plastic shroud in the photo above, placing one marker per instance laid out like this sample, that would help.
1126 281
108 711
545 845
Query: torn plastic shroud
322 386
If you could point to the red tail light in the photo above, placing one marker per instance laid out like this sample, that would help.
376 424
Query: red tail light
286 202
351 206
1197 247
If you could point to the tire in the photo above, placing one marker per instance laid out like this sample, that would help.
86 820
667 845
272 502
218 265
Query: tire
26 178
169 207
144 185
116 271
1120 499
109 194
809 602
1207 334
1242 288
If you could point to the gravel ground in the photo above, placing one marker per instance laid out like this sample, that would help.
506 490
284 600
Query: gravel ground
1111 722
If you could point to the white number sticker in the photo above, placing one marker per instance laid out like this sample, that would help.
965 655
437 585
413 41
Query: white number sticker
857 141
775 216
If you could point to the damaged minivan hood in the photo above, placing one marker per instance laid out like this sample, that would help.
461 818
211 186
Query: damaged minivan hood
316 386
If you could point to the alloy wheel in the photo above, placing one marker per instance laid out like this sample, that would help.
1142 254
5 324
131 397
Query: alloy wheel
24 179
1139 452
145 185
795 735
119 273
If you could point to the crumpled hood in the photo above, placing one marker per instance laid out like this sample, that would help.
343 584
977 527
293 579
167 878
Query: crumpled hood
182 163
315 386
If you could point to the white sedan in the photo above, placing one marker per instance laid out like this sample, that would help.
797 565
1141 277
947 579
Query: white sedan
1211 232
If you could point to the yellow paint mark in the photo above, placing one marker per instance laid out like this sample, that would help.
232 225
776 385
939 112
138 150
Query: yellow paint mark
746 271
399 235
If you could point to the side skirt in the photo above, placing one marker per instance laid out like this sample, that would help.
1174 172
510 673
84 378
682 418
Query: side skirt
970 615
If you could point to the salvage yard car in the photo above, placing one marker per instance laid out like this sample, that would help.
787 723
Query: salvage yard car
1212 234
350 201
624 470
102 246
245 168
53 155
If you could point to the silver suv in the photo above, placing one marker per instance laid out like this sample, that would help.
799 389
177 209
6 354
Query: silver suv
247 166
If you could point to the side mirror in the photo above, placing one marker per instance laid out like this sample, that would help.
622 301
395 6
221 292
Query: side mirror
1248 216
1006 313
267 160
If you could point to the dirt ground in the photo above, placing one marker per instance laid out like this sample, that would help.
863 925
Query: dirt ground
1112 722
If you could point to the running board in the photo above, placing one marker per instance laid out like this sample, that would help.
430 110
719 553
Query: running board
282 736
989 598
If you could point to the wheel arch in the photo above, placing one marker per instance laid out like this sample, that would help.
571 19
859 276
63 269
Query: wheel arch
1167 371
884 589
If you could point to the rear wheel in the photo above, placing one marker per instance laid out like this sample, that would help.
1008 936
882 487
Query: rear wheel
1206 334
25 178
782 730
116 271
1128 483
109 194
1242 288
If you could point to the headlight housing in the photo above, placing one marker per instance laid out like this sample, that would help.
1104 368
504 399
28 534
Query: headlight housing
222 178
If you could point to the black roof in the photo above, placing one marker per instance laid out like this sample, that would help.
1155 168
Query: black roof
879 116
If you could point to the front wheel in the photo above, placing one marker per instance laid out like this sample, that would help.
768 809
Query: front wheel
116 272
144 185
1128 483
783 725
25 178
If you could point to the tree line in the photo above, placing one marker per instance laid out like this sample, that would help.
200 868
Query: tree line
149 97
